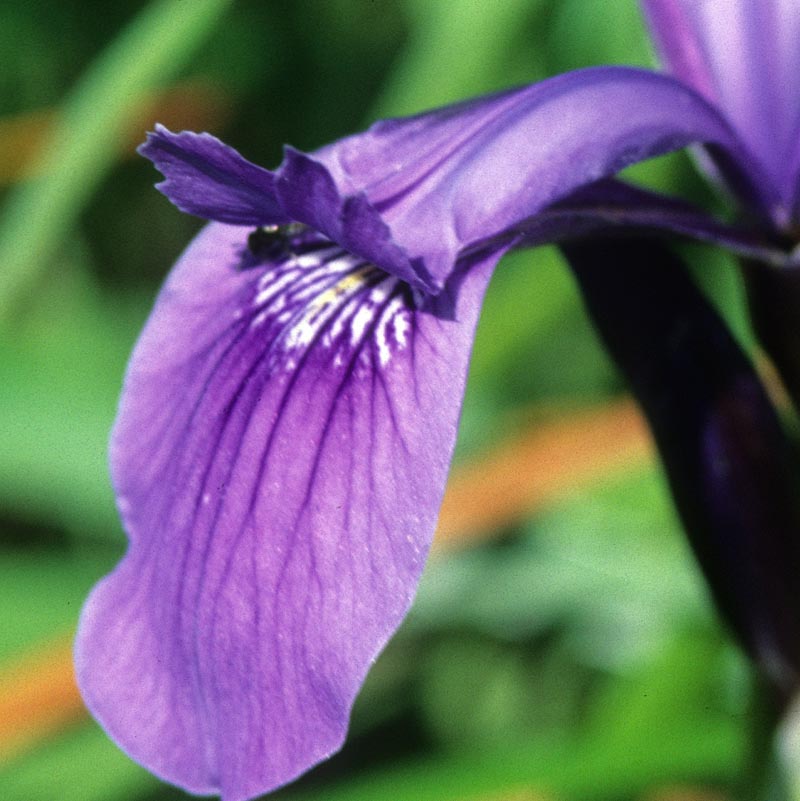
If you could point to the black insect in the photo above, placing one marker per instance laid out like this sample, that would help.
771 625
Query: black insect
273 243
270 241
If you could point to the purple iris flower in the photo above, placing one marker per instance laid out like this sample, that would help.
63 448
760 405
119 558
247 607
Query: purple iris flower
290 410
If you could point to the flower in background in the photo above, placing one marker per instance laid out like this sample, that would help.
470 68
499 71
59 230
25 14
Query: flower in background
290 410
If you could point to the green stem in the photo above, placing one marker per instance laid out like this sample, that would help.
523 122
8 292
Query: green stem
764 778
773 298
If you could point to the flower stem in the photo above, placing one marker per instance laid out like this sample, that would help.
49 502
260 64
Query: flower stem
773 298
764 778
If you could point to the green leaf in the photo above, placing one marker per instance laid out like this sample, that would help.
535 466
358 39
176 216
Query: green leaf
457 49
87 140
60 377
83 765
604 769
41 591
609 564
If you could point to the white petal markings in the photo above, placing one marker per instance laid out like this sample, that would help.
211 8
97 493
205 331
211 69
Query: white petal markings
321 297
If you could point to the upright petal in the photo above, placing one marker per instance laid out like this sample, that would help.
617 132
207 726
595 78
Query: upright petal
744 56
279 456
308 194
446 179
209 179
413 195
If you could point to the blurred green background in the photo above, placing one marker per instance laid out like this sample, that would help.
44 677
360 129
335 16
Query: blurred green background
565 650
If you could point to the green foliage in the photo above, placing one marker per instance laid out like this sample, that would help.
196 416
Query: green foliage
578 654
93 119
84 765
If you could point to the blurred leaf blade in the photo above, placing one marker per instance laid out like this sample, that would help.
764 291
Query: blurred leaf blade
81 766
93 121
456 49
60 376
592 770
538 463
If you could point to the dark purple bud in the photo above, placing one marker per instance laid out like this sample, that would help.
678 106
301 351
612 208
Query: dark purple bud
774 300
728 462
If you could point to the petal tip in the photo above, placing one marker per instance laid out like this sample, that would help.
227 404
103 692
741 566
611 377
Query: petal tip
207 178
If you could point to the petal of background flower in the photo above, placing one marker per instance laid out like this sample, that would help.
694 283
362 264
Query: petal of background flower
207 178
279 472
449 178
794 170
742 55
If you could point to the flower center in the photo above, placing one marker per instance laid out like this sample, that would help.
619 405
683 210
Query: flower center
315 300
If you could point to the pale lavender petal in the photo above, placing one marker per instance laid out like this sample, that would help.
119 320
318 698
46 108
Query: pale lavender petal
448 179
207 178
279 457
742 55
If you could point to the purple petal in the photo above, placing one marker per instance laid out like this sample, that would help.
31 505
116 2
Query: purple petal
279 457
308 193
207 178
742 55
448 179
794 171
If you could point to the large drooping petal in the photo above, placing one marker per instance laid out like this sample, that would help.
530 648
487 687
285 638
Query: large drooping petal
279 457
412 195
729 464
743 55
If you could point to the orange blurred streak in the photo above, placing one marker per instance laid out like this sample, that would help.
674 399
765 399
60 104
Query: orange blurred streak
21 137
38 697
194 105
538 465
515 795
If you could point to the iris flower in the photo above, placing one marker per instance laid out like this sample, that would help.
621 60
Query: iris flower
289 413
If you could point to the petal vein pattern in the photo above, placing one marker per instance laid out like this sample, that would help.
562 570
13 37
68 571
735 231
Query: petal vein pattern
329 297
280 457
